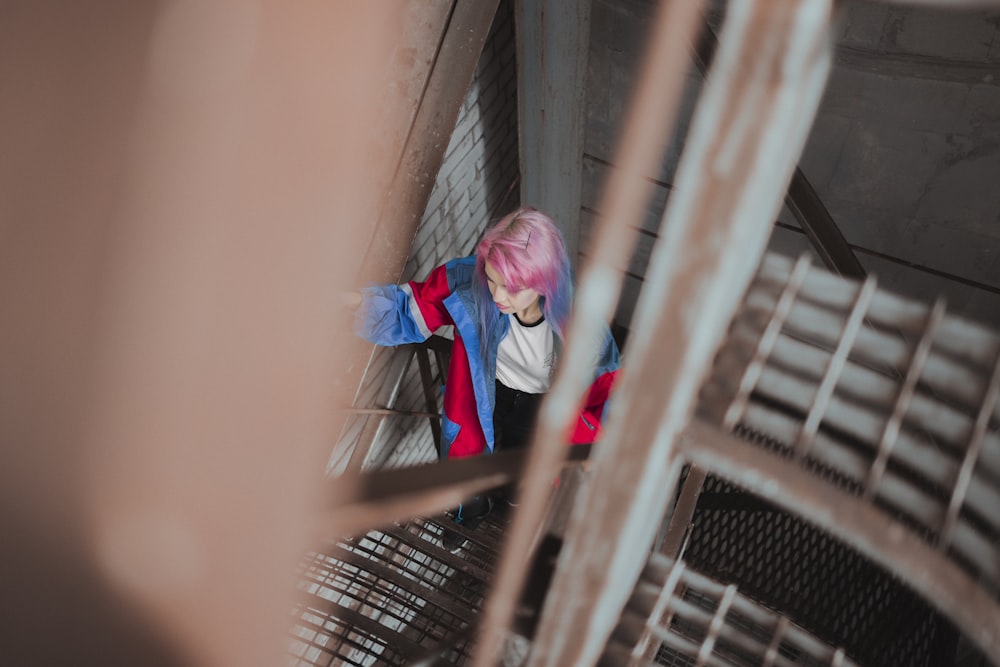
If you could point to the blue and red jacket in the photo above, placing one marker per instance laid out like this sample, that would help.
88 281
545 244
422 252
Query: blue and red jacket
410 313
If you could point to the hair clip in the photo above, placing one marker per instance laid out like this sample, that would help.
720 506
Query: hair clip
527 240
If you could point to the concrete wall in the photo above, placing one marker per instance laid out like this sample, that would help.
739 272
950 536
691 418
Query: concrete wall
477 183
905 151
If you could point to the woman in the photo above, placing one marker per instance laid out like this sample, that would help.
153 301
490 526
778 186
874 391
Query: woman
509 305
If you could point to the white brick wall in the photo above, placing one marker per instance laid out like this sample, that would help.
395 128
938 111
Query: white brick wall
477 183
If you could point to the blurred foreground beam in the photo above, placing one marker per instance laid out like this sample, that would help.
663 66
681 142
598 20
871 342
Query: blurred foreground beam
801 199
749 127
187 188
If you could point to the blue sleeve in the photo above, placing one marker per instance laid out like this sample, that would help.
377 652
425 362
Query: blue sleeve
386 316
608 359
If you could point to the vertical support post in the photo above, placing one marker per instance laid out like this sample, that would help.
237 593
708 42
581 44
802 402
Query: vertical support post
553 38
802 200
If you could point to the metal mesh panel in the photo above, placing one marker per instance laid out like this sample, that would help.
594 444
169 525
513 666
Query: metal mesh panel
823 585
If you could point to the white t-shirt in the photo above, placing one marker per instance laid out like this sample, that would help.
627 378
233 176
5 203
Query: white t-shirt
526 356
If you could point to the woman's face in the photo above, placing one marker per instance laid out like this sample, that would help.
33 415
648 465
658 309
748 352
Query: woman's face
523 302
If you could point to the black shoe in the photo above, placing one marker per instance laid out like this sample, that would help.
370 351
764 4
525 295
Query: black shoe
506 495
452 541
468 515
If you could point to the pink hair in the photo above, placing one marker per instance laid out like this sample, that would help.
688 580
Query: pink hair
528 250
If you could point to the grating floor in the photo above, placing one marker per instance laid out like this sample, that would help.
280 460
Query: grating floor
394 596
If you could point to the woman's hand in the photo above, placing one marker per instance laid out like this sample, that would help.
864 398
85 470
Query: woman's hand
350 299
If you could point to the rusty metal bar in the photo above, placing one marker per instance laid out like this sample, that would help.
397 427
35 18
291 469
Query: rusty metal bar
890 432
801 198
683 512
645 648
766 343
570 482
688 625
465 33
391 412
858 523
718 619
821 229
202 386
389 638
386 496
803 440
873 393
962 482
381 497
751 122
779 634
430 393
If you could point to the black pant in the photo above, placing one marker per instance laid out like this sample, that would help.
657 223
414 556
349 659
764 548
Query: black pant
514 417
